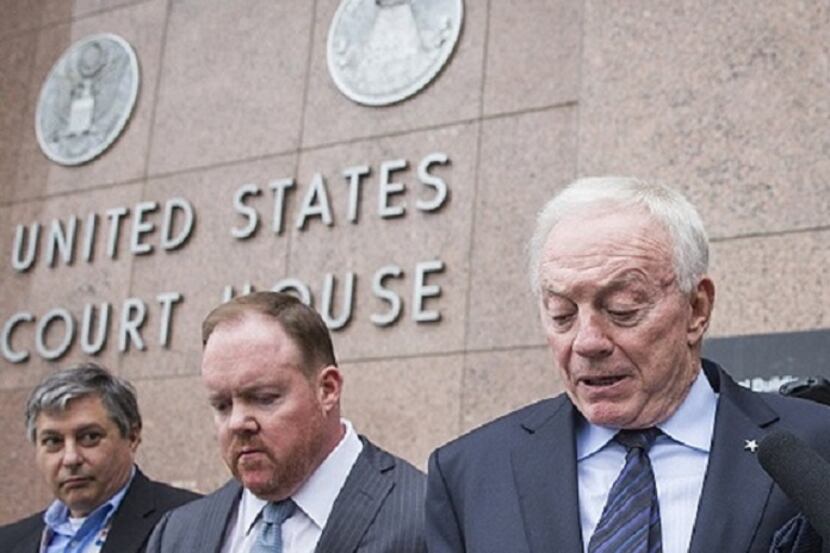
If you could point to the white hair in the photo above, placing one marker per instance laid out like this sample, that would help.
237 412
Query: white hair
668 207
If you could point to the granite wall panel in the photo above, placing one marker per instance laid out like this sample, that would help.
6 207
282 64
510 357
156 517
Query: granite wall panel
82 8
525 159
84 283
178 440
15 55
724 100
141 25
209 260
771 284
409 406
24 489
497 382
375 241
232 82
31 175
454 95
533 55
18 17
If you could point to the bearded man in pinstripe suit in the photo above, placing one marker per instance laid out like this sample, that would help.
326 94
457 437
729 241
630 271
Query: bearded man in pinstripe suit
274 387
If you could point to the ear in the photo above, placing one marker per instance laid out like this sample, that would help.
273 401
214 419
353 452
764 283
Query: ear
701 301
135 438
329 386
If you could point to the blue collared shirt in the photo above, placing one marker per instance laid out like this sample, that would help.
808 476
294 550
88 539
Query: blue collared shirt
62 536
678 457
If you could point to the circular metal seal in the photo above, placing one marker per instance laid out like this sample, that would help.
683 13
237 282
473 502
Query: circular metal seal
87 99
382 51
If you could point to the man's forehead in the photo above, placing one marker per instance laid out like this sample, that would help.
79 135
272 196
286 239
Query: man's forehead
249 328
622 249
227 369
247 337
249 317
626 279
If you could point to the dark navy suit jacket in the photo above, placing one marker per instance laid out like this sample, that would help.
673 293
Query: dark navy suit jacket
143 505
511 485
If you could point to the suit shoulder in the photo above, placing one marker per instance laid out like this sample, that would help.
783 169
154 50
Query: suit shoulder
797 407
16 531
389 463
201 504
204 518
170 496
806 418
504 429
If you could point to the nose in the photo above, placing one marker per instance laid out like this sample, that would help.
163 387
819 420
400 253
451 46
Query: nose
591 339
71 454
241 420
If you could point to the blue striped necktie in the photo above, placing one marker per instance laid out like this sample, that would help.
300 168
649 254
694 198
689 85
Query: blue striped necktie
269 539
630 521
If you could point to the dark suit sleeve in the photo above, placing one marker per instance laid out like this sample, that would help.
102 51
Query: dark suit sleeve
197 527
22 536
154 544
443 532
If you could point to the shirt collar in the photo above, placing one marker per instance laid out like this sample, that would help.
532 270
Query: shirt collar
691 425
694 421
316 495
56 516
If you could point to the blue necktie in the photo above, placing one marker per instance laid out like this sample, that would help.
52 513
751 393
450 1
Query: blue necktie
630 521
269 539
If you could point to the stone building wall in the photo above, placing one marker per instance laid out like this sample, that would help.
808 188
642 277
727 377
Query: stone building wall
729 101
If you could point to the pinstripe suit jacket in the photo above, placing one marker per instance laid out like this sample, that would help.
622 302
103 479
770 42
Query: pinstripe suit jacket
379 510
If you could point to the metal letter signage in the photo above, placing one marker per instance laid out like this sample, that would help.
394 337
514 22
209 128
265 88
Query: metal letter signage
87 99
383 51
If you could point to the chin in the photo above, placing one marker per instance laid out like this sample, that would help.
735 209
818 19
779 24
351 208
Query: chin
608 416
260 486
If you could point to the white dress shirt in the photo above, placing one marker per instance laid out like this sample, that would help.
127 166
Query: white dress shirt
314 500
678 458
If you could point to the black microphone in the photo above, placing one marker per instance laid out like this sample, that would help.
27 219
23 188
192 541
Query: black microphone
803 475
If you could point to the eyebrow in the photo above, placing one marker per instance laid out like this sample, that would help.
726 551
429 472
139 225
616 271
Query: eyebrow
246 391
216 396
630 276
619 282
48 432
548 290
83 428
258 389
90 426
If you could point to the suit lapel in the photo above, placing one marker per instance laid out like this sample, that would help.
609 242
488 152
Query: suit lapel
131 523
735 489
544 469
364 491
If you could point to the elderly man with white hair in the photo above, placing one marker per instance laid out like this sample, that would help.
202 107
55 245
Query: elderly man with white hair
650 448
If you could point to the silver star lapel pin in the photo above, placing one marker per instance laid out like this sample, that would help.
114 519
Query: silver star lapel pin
751 445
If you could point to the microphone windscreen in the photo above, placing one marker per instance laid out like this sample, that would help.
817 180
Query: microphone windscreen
803 475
